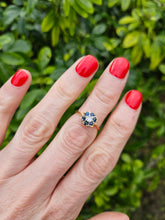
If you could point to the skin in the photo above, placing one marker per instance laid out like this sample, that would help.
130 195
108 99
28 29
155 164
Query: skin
35 188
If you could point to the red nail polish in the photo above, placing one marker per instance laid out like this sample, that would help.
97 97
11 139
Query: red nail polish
87 66
119 67
133 99
19 78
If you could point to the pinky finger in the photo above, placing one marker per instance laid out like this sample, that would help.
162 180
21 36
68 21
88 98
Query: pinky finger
11 94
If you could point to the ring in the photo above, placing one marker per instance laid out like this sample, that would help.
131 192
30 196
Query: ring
89 119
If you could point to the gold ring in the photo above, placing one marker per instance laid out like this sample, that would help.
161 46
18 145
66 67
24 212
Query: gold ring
89 119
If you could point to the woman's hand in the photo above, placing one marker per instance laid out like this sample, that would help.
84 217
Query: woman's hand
35 189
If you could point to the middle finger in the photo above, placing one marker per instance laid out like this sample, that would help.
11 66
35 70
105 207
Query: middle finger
41 121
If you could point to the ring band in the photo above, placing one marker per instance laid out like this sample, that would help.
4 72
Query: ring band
89 119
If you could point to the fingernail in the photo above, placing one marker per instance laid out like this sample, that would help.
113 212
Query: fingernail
119 67
19 78
134 99
87 66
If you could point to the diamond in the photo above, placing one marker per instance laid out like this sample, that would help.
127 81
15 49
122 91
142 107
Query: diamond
89 119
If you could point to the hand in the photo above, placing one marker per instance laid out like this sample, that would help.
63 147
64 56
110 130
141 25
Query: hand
37 189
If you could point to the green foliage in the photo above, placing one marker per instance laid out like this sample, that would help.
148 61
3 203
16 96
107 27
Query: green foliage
46 37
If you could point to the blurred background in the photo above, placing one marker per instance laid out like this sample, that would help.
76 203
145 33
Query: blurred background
46 37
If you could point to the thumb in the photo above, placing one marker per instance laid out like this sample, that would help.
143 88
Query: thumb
110 216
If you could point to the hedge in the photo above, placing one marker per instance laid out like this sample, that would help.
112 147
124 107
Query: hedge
46 37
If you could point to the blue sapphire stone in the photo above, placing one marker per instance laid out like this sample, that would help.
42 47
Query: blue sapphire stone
92 114
94 119
91 123
83 118
87 113
85 123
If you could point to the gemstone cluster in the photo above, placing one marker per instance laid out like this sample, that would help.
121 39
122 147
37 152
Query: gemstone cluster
89 119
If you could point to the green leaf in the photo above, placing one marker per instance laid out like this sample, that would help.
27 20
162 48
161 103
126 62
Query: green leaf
11 13
97 2
31 4
55 35
99 42
71 21
121 31
49 70
21 113
12 59
44 57
48 22
3 4
99 201
127 20
152 122
126 158
57 73
86 5
66 7
134 26
5 39
112 3
22 46
99 29
18 2
5 72
162 68
111 44
136 54
78 9
125 4
131 39
156 55
112 191
146 45
158 151
63 23
30 98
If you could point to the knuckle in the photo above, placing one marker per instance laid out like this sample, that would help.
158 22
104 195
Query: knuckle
74 139
104 96
5 103
37 129
98 164
62 92
120 127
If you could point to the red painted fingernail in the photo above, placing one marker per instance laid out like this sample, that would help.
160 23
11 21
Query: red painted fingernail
119 67
19 78
87 66
133 99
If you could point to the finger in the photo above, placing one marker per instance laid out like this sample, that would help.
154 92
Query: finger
11 94
101 157
41 121
74 137
110 216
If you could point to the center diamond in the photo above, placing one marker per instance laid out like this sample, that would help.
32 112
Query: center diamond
89 119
